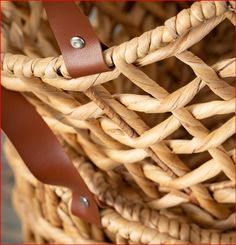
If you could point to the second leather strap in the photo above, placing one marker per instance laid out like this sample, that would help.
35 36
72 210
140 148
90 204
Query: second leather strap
67 21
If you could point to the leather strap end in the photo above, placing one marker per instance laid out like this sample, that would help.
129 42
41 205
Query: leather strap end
67 21
43 154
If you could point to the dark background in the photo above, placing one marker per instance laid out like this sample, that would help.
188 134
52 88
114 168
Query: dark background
11 230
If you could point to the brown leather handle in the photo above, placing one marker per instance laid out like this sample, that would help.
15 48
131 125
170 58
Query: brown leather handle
67 21
33 139
42 153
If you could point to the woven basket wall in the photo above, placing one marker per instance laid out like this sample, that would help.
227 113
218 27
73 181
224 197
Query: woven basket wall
153 138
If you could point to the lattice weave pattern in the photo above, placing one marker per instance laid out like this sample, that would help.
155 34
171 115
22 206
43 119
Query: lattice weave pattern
152 138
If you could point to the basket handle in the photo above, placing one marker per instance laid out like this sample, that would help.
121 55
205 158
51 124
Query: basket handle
80 47
43 154
32 138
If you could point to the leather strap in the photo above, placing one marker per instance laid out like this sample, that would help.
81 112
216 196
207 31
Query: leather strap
68 21
43 154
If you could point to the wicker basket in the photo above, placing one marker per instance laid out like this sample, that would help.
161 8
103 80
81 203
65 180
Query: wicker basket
152 138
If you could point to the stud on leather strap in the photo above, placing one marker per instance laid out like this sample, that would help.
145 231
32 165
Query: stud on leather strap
43 154
80 47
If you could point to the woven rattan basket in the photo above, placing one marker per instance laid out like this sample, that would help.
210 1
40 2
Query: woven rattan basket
152 138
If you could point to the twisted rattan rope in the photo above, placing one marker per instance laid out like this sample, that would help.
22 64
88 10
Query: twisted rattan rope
47 68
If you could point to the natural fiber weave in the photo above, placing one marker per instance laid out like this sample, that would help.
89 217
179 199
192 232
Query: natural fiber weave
153 138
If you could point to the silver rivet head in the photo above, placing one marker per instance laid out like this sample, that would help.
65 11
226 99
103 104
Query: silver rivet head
84 201
77 42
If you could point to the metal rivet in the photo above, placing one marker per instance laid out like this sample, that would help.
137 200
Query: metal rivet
77 42
84 201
